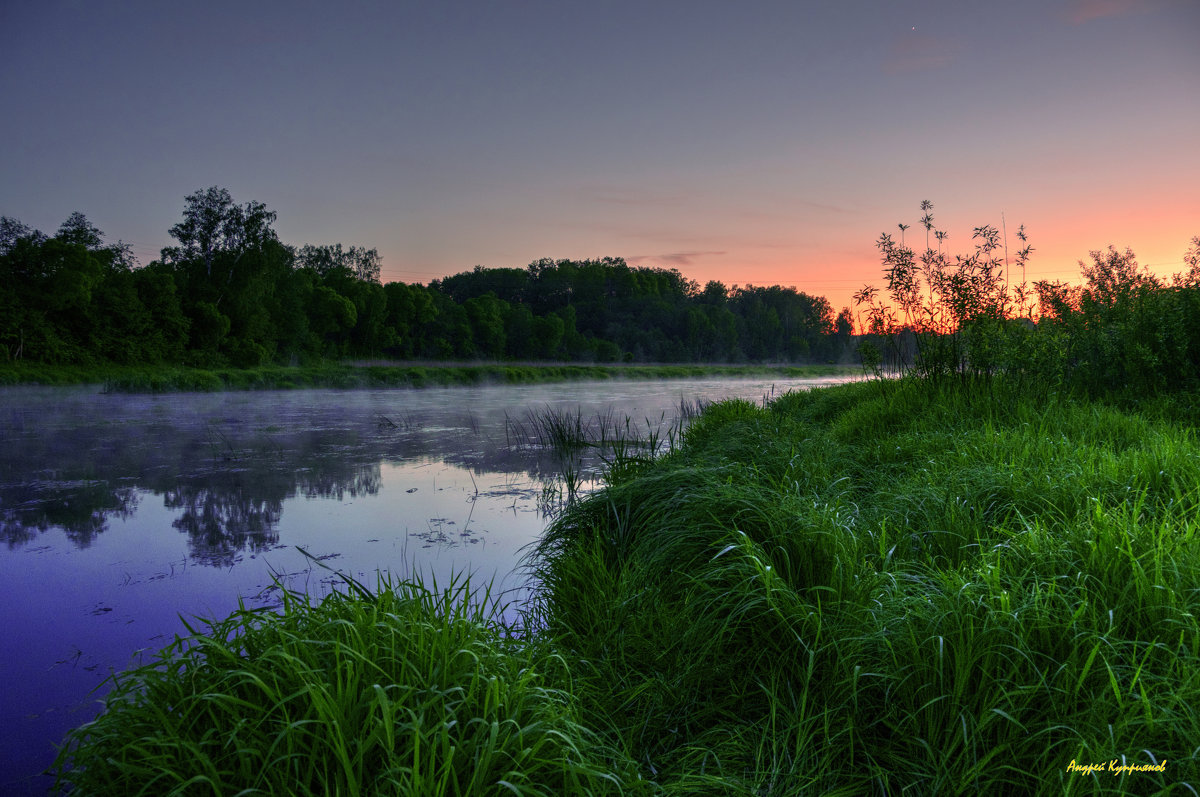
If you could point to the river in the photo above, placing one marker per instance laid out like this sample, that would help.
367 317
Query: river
124 515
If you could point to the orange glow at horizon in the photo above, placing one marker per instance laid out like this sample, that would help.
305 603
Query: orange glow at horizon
837 262
1158 243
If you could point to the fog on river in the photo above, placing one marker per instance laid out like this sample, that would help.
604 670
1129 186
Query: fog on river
120 515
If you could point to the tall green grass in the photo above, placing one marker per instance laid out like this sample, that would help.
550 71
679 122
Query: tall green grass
922 592
405 690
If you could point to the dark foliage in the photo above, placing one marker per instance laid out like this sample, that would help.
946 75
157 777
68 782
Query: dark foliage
231 293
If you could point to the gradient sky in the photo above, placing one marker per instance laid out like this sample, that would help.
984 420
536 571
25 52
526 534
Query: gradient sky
750 142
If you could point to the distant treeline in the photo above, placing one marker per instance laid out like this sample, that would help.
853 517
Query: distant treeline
231 293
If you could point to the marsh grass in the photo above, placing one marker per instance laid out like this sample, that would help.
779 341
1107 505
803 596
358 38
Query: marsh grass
587 451
931 591
402 690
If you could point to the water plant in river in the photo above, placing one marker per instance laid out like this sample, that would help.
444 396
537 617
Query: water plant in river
620 446
403 690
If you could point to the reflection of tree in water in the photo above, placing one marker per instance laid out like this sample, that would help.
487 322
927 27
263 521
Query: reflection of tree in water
80 508
226 507
228 512
228 496
222 523
224 471
364 479
477 452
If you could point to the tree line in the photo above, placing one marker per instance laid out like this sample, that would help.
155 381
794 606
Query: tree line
229 292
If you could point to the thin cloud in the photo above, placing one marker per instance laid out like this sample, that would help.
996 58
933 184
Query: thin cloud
660 236
674 258
1081 11
916 52
824 207
622 234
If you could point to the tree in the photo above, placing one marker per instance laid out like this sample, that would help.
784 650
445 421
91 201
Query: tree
212 224
412 314
844 325
230 258
485 314
714 294
369 335
290 323
11 230
1114 277
1191 277
70 297
331 317
357 261
81 232
156 288
518 332
843 330
78 230
547 336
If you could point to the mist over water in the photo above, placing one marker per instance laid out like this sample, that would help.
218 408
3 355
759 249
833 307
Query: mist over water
121 516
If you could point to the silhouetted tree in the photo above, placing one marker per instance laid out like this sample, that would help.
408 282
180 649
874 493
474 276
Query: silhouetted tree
357 261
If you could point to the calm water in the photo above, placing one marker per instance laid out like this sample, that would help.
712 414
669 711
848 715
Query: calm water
122 514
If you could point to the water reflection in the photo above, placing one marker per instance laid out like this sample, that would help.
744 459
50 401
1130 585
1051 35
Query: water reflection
80 507
225 504
227 468
226 480
221 524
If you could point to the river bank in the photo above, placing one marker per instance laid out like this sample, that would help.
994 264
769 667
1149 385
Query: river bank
859 589
167 379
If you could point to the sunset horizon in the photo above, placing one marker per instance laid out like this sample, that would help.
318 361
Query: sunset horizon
766 145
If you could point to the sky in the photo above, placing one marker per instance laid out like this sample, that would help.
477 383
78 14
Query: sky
759 142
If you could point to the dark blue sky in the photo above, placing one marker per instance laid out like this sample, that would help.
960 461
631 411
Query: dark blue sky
765 142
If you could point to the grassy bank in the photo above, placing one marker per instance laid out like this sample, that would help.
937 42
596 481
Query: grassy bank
859 592
848 591
132 379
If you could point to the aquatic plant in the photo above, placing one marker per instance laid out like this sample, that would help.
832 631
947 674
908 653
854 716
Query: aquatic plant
622 447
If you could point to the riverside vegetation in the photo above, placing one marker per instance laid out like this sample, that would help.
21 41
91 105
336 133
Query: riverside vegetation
968 579
230 293
844 591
